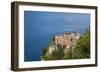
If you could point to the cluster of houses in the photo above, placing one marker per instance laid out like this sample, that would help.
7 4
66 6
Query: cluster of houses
66 41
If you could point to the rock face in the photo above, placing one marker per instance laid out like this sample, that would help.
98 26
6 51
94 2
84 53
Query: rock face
65 41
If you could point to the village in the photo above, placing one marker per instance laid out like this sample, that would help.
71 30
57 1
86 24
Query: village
67 46
66 41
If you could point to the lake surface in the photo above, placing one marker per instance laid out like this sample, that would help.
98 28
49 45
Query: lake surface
40 27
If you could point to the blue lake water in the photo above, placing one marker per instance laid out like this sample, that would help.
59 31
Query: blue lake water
40 27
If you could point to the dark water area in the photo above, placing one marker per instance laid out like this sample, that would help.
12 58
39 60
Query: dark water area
40 27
